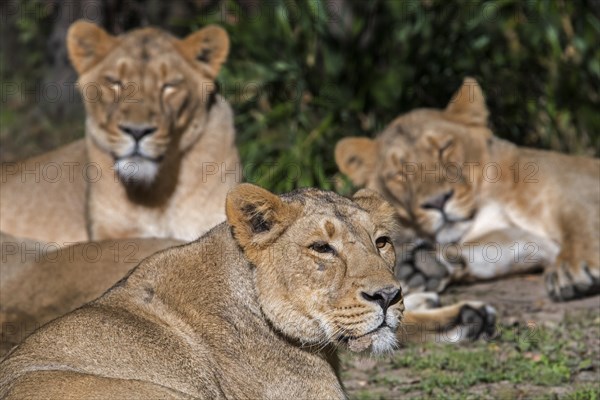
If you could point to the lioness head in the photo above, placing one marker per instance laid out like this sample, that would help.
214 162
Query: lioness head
323 264
146 92
427 163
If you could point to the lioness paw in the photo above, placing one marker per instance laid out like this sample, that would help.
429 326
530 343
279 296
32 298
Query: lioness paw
422 301
569 281
423 271
474 320
458 322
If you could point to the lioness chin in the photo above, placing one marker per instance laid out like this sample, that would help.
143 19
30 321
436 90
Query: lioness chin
253 309
158 155
493 208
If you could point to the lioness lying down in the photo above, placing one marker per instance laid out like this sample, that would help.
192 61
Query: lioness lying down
253 309
40 282
159 153
493 208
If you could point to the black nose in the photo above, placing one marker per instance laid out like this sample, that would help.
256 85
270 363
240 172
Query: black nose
137 131
438 202
384 297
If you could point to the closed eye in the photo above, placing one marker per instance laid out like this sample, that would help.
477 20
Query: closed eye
445 147
114 82
322 247
172 84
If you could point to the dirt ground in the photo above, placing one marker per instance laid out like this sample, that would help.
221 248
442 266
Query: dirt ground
520 299
562 360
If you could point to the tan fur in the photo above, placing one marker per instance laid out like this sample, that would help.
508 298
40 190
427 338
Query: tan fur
35 204
449 324
172 183
542 210
61 279
253 309
40 281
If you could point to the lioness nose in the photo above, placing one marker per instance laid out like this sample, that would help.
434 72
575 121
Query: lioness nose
384 297
438 202
137 131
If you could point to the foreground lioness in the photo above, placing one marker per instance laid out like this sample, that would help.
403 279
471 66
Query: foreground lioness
159 152
495 208
253 309
40 282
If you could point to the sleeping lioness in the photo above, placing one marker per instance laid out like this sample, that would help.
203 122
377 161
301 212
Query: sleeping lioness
253 309
159 153
493 208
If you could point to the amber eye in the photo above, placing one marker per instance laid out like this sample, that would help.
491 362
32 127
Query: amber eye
322 247
382 241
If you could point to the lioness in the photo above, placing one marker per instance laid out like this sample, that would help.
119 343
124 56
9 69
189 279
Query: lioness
61 279
495 208
41 281
253 309
159 153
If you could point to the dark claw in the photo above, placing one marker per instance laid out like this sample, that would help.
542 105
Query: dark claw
473 320
490 321
594 279
551 279
567 292
573 290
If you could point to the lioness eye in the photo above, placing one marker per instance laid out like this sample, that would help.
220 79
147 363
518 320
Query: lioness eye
445 147
382 241
114 82
171 85
322 247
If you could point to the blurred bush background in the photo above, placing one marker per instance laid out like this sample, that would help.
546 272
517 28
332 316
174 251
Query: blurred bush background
303 74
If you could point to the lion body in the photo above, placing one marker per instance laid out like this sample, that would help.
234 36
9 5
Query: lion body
207 320
492 208
59 279
159 153
35 204
200 335
253 309
207 171
535 218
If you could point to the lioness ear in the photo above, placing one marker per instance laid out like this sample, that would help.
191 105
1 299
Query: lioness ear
87 44
256 215
468 104
208 46
356 158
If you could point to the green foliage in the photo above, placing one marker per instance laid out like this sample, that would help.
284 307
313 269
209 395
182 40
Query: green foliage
301 76
30 32
586 393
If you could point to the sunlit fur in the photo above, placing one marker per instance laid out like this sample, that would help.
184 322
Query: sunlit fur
528 203
249 310
154 122
145 81
136 170
155 87
316 298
